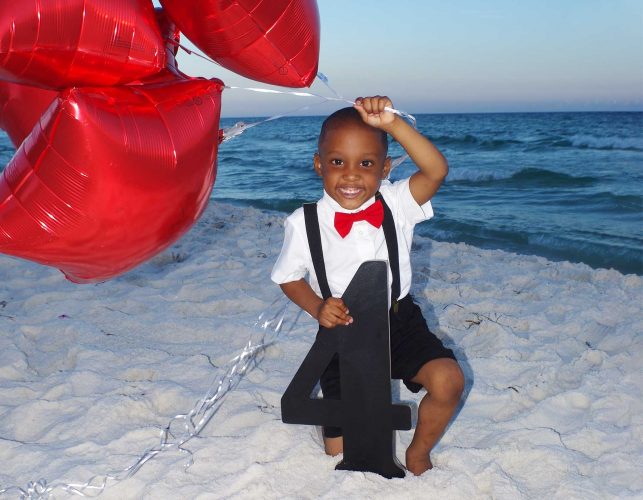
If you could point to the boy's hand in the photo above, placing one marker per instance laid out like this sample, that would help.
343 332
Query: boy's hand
333 312
371 109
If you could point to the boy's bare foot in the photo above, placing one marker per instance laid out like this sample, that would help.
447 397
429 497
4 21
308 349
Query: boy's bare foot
417 462
333 446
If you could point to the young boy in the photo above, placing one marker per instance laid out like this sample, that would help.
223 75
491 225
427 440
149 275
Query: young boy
353 163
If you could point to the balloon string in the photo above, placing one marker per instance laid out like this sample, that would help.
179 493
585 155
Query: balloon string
264 90
190 51
321 76
240 127
183 427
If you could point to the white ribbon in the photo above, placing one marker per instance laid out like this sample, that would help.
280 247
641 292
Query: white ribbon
240 127
183 427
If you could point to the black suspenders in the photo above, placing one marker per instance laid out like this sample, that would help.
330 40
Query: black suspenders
314 242
390 235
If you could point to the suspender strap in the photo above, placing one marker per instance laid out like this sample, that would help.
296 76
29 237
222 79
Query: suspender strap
390 235
314 242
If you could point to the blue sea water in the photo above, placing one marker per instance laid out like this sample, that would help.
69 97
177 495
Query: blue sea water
566 186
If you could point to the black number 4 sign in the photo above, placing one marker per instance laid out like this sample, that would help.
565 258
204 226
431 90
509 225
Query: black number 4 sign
364 412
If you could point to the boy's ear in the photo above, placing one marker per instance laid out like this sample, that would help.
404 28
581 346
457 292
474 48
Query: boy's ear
387 167
317 164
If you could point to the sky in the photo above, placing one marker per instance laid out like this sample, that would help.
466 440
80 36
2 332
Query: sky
433 56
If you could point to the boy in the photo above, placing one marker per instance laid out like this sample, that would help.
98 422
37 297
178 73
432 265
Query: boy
352 162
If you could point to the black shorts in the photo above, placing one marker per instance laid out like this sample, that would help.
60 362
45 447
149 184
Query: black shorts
412 346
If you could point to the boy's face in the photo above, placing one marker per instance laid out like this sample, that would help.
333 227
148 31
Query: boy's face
352 162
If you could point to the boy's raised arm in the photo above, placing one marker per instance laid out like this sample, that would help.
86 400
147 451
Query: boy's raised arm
432 165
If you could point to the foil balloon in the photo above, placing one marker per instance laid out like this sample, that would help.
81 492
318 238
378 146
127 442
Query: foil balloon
21 107
272 41
57 44
111 176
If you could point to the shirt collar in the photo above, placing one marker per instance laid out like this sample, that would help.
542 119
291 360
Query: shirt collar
336 207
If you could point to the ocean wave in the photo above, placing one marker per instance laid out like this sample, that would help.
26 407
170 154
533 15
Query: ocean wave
472 141
276 205
593 250
623 203
531 176
471 176
544 177
596 254
579 141
607 143
293 138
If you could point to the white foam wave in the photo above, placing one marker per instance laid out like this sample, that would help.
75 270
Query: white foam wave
476 175
609 142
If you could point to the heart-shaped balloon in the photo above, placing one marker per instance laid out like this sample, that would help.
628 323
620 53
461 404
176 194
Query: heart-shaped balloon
57 44
272 41
21 107
111 176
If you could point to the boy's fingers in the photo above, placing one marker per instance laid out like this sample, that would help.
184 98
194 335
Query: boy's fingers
344 318
376 104
366 103
338 303
333 320
341 317
339 312
334 312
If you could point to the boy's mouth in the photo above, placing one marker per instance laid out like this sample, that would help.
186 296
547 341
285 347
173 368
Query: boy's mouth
349 192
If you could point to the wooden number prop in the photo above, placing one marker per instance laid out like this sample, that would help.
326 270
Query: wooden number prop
365 413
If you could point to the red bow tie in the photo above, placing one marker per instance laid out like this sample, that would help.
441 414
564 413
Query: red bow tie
374 215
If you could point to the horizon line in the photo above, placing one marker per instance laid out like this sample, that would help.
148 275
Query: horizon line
286 115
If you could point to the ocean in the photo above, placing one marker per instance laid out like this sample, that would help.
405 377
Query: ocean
565 186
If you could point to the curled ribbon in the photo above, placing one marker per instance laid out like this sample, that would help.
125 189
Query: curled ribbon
183 427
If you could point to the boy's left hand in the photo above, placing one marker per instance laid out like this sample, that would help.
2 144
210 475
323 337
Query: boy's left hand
371 109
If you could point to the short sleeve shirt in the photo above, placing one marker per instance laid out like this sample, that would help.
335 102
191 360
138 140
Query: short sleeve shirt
343 256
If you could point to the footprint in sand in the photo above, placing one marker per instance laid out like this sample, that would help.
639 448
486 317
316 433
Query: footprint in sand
578 401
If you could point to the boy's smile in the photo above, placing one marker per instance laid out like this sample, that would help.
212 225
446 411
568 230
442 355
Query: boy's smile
352 162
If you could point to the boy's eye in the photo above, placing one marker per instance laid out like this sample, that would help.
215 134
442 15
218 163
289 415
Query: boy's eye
367 163
337 162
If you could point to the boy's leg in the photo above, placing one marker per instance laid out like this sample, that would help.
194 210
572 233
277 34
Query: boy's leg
444 382
331 389
333 445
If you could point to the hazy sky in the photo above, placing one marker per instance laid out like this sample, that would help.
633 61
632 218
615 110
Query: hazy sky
467 56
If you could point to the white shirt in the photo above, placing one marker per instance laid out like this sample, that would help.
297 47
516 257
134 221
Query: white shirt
343 256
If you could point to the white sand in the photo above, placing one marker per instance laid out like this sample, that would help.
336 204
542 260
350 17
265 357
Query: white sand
90 373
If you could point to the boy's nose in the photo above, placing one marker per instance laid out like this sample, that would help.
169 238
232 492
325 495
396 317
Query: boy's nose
351 171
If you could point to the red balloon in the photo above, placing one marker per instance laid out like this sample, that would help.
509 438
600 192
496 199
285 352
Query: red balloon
273 41
111 176
21 107
58 44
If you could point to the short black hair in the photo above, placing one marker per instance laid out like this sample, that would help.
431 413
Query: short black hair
348 115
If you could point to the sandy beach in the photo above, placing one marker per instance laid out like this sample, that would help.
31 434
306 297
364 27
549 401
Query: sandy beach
90 374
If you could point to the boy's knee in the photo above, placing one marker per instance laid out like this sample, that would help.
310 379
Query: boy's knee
455 384
443 379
